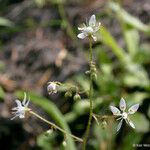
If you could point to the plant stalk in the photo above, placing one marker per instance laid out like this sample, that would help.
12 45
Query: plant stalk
90 97
55 126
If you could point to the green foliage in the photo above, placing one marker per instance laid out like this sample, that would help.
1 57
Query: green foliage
105 137
115 78
5 22
142 124
44 141
53 112
121 72
132 40
128 18
129 140
2 93
109 41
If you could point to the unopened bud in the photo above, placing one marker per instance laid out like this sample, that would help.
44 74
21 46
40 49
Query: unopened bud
104 124
73 89
68 94
64 143
48 132
93 69
94 76
77 97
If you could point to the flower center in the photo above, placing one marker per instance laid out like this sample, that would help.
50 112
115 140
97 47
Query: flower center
52 86
89 30
124 115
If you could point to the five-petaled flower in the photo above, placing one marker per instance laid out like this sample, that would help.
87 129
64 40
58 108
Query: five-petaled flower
52 87
90 29
21 108
123 115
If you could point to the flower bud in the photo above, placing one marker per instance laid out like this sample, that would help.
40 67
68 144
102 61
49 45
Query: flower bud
48 132
77 97
94 76
93 69
104 124
64 143
68 94
73 89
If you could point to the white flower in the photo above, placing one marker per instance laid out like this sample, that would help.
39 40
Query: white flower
21 108
122 114
52 87
90 29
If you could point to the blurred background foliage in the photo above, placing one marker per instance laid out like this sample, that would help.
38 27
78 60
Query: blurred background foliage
38 44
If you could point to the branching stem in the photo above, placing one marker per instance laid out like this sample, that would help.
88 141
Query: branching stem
52 125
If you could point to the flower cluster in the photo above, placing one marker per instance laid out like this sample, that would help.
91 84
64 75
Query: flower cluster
124 115
21 108
90 29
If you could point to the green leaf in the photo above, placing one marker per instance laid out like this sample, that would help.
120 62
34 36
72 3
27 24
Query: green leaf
70 116
81 107
109 41
142 55
5 22
141 123
134 75
105 137
2 93
53 112
83 82
102 56
2 66
130 139
40 3
128 18
136 97
44 142
132 40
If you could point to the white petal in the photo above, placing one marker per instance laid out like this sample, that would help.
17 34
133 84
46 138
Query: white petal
15 108
119 118
97 27
133 109
81 28
122 104
92 21
24 99
21 116
27 103
18 103
94 37
131 124
119 125
14 117
115 110
55 91
81 35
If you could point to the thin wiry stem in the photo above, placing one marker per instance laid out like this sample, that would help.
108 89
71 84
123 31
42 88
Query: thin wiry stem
55 126
90 97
